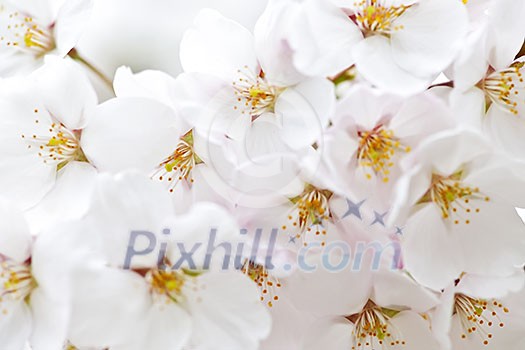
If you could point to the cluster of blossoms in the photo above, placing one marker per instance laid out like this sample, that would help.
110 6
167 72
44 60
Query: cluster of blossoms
355 166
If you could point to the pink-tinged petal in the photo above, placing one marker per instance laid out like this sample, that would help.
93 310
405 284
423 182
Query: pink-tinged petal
323 37
273 50
365 107
218 46
419 117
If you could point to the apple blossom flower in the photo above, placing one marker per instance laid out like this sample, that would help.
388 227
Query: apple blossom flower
34 302
399 46
371 133
363 309
248 79
453 205
155 304
479 312
42 116
31 30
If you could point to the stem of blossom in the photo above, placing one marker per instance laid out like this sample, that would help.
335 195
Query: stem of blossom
77 57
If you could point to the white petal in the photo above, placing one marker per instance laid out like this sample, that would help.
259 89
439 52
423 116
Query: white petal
227 314
457 147
432 33
152 84
130 133
420 116
395 290
506 130
323 39
197 226
440 317
15 239
469 106
169 327
198 97
107 306
507 31
70 24
365 107
273 51
59 205
66 91
217 46
116 211
471 65
499 178
43 10
50 321
15 326
486 287
414 330
487 253
426 242
375 61
334 333
329 289
304 111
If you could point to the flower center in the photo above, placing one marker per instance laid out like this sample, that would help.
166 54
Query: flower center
477 316
255 96
167 284
16 281
310 209
179 165
26 34
58 146
373 328
453 197
376 151
266 282
372 16
506 88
